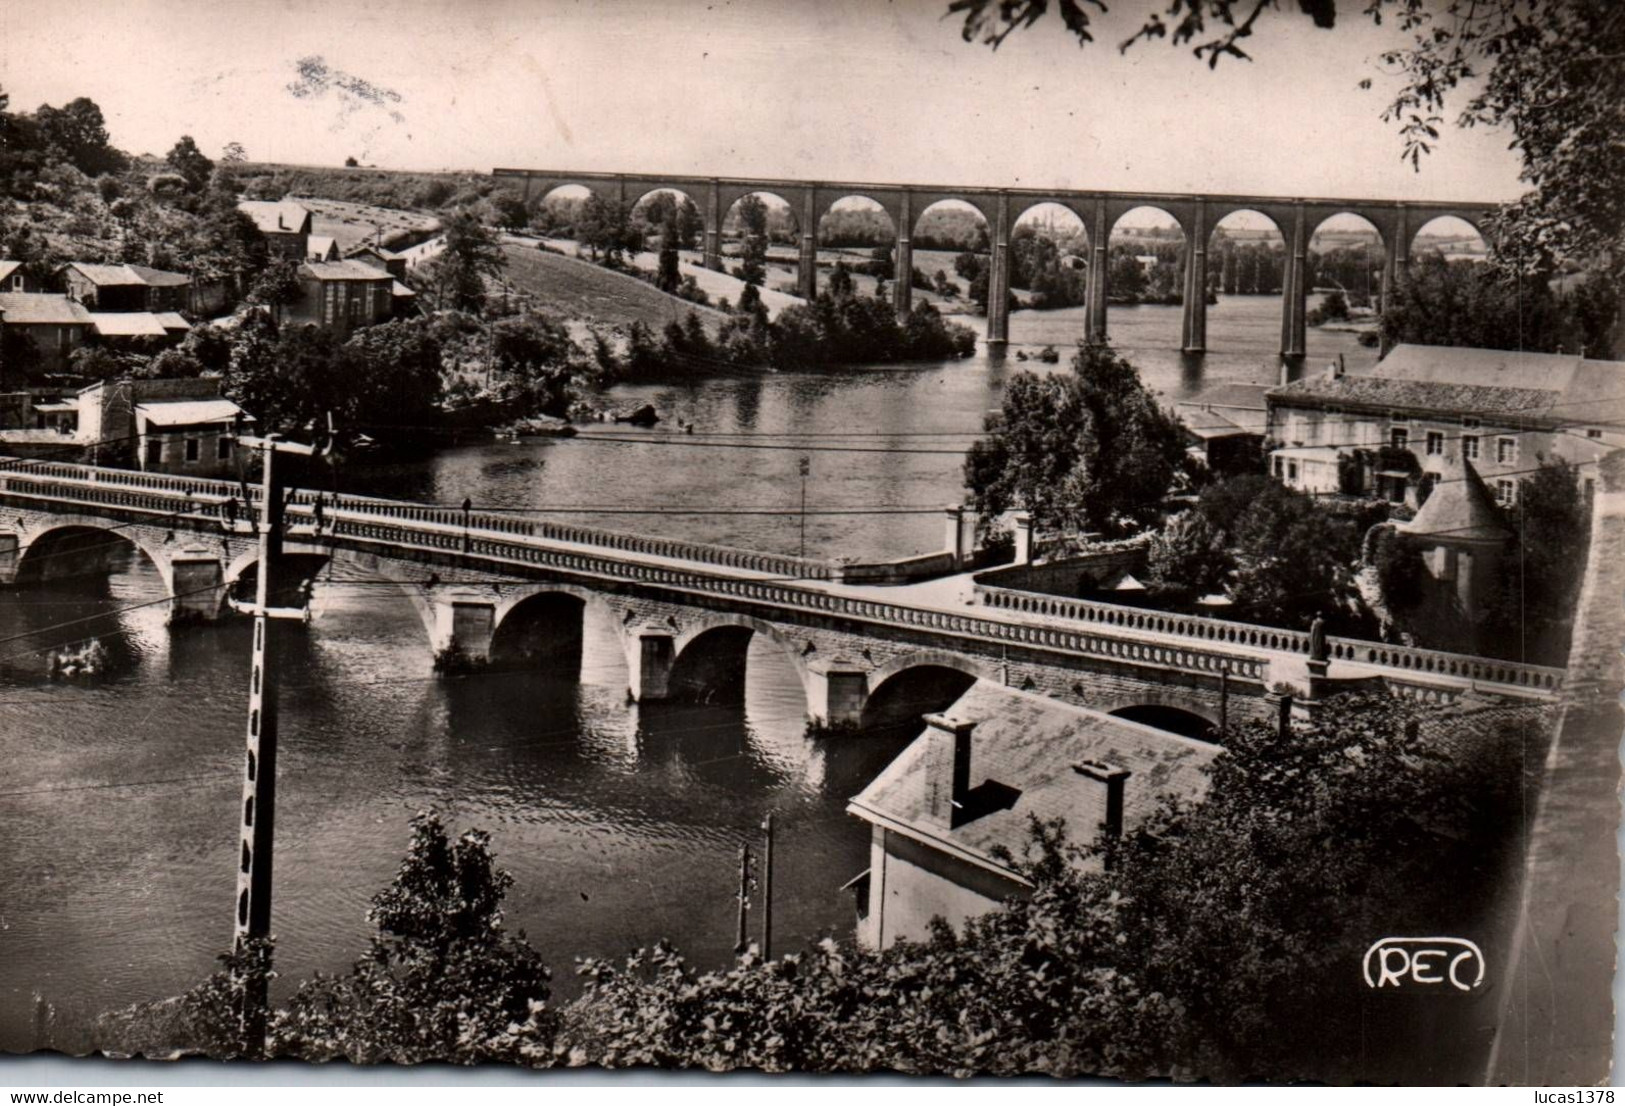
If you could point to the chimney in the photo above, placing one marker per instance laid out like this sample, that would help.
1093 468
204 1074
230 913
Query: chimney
280 225
947 768
1111 826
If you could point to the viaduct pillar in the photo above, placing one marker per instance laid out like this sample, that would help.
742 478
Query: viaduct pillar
1195 316
713 227
1295 292
903 289
1095 328
649 666
998 284
807 274
1396 257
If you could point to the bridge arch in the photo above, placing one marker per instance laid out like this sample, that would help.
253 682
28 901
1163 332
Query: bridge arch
57 538
1173 719
906 687
1450 222
709 659
1335 263
1237 258
691 236
886 205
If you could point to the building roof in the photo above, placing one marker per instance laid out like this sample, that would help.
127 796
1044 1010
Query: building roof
342 270
1208 425
1024 750
119 276
1459 507
187 412
128 324
8 267
172 320
396 288
1499 384
277 216
321 247
41 308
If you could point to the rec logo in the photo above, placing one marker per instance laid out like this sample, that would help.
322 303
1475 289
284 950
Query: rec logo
1412 962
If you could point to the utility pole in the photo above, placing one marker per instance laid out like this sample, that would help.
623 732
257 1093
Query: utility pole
744 897
806 467
767 887
253 916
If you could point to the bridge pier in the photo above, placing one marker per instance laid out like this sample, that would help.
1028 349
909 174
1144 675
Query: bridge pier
903 291
649 665
1195 314
1295 291
998 282
1095 297
713 227
463 628
807 273
837 693
10 544
198 586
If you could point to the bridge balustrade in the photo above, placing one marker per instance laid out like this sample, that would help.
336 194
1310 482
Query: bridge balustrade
1274 639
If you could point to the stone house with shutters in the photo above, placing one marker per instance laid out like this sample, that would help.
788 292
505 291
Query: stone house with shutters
948 813
340 296
1501 411
285 224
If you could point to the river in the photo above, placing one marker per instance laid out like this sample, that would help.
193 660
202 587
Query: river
621 824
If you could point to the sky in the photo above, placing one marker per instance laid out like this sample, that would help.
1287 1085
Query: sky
858 90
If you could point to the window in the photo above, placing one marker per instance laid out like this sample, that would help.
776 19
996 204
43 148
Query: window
191 449
222 448
155 450
1593 433
1399 438
1469 447
330 302
17 282
357 302
1280 468
1292 472
1469 424
1396 416
1506 451
1506 492
1435 443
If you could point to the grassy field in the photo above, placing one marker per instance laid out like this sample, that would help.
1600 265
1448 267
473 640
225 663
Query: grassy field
580 289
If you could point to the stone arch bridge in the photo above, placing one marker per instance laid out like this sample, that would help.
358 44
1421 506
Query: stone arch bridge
490 588
1297 218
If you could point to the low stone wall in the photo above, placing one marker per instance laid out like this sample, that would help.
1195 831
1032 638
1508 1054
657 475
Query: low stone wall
1071 577
923 567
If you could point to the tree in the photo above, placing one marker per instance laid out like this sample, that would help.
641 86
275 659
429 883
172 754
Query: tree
470 255
1293 559
840 281
1467 303
1188 559
233 154
276 287
511 211
351 163
1542 568
442 979
388 376
536 356
753 221
78 131
1089 449
668 276
190 163
605 227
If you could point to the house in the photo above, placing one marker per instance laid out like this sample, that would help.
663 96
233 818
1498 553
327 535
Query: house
14 278
1397 426
182 427
47 326
139 331
379 258
341 296
1224 427
951 810
116 288
285 224
322 247
1462 539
